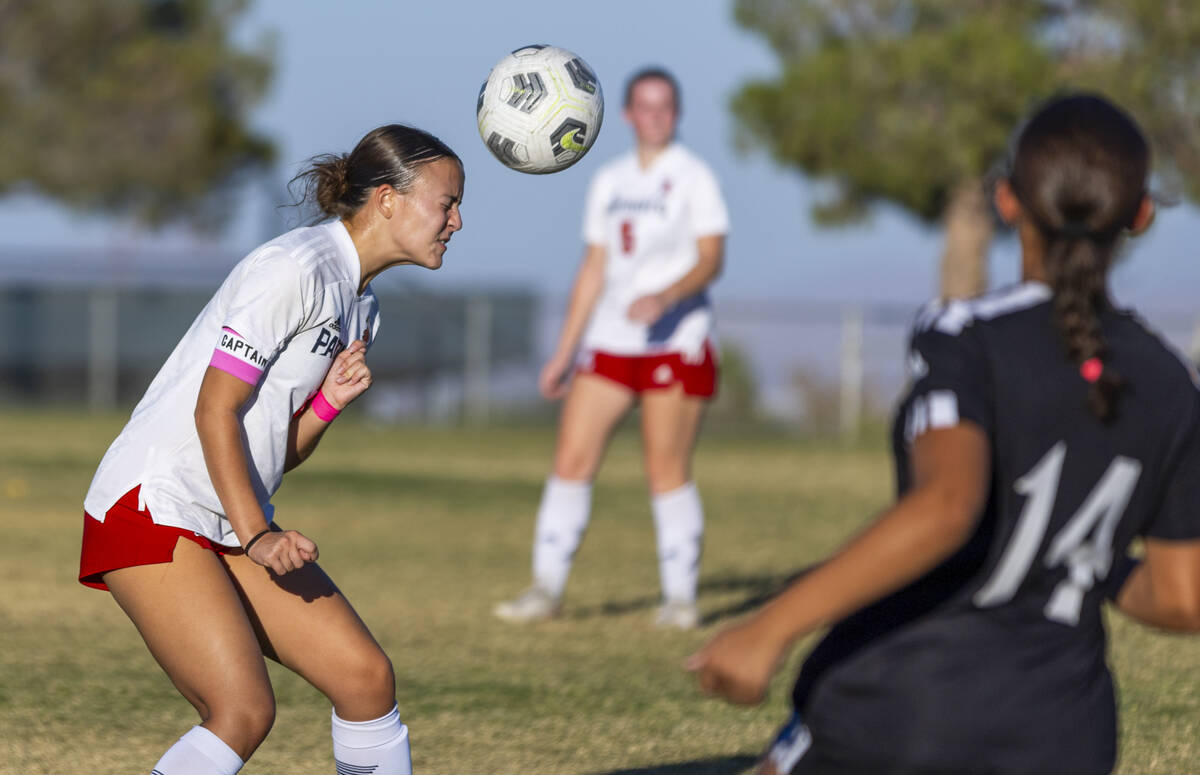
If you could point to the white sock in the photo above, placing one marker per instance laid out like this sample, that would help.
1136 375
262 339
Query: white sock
198 752
378 747
679 524
562 518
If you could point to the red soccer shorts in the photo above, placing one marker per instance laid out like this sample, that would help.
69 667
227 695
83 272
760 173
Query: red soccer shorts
640 373
128 537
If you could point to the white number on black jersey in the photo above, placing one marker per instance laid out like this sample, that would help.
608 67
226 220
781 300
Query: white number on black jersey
1084 544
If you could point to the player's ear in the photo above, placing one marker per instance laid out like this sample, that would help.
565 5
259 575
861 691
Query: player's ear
385 200
1007 204
1144 215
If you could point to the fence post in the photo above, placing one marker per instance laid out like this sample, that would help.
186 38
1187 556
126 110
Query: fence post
852 372
102 348
477 365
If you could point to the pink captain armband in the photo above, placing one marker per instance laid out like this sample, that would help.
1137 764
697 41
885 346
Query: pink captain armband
235 366
323 409
226 357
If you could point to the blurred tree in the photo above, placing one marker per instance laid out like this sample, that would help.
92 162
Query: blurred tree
913 102
133 107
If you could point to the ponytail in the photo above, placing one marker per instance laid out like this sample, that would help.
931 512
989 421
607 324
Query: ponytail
327 184
1079 171
1077 267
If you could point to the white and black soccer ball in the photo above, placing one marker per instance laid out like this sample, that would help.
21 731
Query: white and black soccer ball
540 109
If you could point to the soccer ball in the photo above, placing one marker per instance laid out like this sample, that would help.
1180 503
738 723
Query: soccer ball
540 109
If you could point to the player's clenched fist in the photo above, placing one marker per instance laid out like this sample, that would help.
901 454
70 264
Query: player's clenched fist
737 664
283 551
348 377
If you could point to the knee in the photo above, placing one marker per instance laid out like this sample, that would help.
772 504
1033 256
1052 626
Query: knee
575 465
257 720
369 683
243 723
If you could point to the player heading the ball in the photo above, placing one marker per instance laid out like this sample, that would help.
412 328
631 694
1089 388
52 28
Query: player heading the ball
178 523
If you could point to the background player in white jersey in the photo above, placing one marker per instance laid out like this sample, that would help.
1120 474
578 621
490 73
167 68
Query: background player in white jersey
178 524
1044 431
638 328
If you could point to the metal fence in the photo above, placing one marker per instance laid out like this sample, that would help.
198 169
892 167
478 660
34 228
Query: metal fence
102 345
95 329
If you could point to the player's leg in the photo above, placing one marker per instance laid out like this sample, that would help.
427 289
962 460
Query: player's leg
670 424
593 407
192 620
305 623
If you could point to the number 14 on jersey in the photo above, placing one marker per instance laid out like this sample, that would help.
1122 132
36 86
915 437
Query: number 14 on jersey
1084 544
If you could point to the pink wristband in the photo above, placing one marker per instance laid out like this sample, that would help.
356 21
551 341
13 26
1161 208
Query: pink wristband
323 408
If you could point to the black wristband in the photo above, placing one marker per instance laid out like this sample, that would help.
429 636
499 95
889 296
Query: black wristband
250 543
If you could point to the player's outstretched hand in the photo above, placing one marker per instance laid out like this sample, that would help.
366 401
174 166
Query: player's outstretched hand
552 381
647 309
348 376
283 551
737 664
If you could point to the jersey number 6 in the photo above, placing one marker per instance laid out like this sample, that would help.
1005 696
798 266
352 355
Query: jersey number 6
1087 560
627 237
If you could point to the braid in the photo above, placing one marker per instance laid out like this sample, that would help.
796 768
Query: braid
1079 171
1077 269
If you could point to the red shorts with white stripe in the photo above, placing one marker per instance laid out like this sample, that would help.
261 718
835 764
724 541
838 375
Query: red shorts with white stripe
659 371
129 537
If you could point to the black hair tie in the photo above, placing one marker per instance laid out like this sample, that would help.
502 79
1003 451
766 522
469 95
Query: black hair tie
250 543
1076 230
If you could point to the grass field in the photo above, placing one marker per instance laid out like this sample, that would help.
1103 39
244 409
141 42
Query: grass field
424 529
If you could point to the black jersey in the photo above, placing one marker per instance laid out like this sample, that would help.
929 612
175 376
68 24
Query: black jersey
994 662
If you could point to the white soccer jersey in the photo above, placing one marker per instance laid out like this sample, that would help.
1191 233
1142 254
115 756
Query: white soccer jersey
648 221
277 322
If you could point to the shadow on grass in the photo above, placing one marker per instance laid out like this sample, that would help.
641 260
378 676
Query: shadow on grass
726 765
757 588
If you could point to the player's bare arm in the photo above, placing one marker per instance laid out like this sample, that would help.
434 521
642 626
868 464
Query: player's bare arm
219 427
710 261
1164 590
951 475
589 283
348 378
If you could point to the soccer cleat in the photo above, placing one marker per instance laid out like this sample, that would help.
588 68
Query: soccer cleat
677 614
533 605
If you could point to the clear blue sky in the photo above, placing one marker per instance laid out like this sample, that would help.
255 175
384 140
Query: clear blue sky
344 69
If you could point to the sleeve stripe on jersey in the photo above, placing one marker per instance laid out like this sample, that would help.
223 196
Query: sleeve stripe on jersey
235 366
937 409
952 317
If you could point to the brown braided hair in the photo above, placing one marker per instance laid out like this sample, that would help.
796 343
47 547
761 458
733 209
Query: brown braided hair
339 184
1079 170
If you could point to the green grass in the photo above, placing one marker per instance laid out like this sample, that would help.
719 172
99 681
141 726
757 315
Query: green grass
424 529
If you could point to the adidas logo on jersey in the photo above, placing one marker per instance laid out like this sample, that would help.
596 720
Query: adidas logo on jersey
335 325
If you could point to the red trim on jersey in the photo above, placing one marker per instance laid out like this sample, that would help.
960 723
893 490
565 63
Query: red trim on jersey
128 537
659 371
